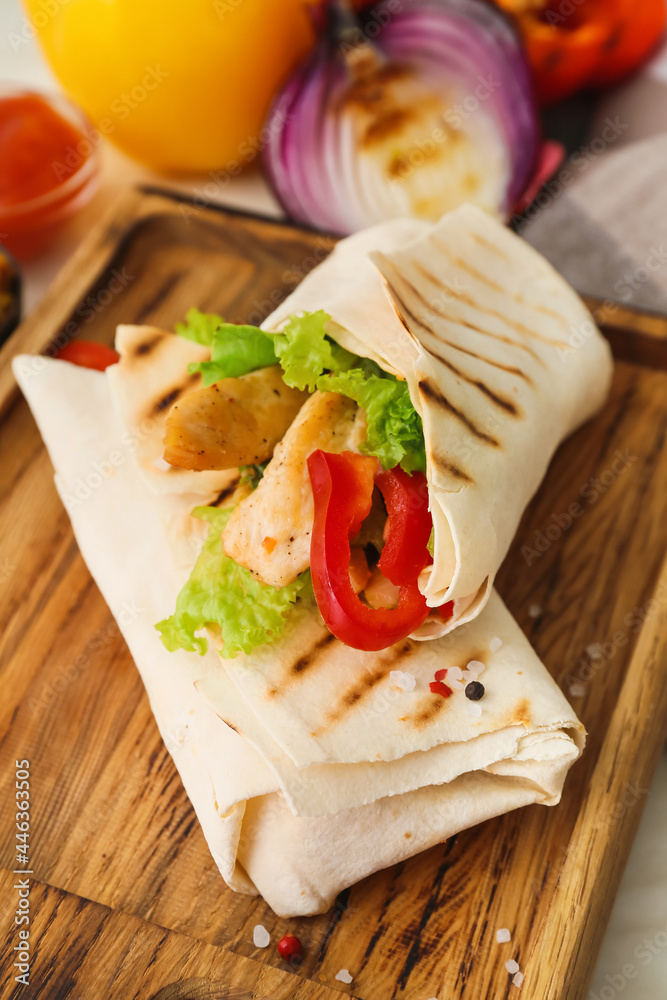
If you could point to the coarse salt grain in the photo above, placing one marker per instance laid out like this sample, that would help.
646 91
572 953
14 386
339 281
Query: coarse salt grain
454 672
473 708
495 644
577 689
261 937
455 685
402 679
475 667
512 966
503 935
344 976
518 979
593 650
534 611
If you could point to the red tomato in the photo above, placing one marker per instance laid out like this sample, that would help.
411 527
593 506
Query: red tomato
88 354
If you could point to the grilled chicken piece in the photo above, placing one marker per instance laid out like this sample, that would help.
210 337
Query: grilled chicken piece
269 532
237 421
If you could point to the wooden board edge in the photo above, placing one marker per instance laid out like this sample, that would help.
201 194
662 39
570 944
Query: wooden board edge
36 332
611 315
599 849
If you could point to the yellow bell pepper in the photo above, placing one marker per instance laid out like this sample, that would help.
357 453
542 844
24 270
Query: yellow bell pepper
180 86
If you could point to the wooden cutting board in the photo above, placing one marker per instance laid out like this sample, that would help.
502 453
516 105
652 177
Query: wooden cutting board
125 900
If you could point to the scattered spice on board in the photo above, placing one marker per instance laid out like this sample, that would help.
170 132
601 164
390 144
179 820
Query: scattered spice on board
260 936
290 948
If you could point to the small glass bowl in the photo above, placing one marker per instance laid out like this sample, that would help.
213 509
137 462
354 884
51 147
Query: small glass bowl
28 227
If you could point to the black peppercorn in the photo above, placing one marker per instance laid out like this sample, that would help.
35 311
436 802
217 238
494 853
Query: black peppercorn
474 690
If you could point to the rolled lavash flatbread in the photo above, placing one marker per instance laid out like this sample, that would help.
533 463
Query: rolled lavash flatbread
310 765
502 359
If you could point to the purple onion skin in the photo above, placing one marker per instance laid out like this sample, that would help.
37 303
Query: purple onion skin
460 40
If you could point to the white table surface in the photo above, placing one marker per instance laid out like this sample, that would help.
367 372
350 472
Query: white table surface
633 961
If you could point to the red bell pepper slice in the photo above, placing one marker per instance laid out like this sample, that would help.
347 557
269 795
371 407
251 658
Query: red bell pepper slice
342 491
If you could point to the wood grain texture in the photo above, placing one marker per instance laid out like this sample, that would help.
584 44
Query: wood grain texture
112 830
82 949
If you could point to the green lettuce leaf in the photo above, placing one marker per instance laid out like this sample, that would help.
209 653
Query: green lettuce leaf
221 593
305 351
311 360
394 433
235 350
199 327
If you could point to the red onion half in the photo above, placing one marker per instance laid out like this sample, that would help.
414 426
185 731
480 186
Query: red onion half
423 105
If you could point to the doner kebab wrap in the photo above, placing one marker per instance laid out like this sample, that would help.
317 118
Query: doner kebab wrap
312 762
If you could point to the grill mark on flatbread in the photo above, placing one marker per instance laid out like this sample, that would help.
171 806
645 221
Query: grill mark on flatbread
353 696
459 320
359 691
520 715
465 266
225 493
504 404
430 392
510 369
304 663
170 397
146 346
478 238
521 299
514 323
428 710
443 463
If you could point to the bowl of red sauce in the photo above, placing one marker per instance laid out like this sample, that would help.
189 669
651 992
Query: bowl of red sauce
49 167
